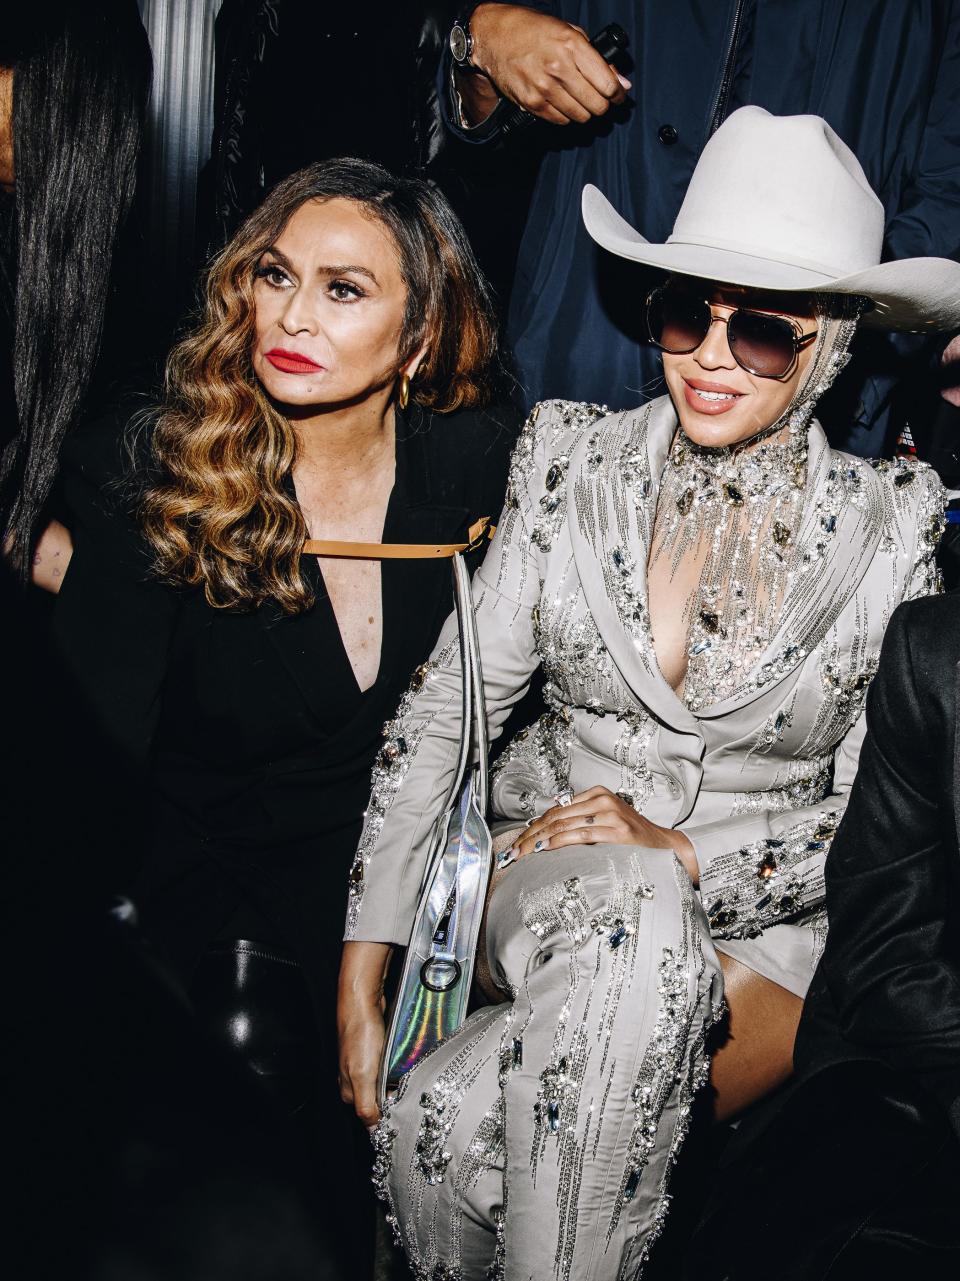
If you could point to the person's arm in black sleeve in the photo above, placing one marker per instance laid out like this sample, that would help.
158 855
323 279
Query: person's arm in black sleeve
890 962
925 223
112 620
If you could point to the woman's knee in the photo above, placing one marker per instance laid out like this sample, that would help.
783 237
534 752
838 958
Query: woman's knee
755 1055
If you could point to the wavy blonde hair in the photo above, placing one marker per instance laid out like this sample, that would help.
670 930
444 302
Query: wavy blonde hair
219 515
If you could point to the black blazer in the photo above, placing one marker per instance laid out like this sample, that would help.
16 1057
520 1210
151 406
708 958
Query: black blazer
250 727
888 985
859 1141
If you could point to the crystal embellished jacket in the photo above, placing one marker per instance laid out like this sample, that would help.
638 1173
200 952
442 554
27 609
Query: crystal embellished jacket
757 781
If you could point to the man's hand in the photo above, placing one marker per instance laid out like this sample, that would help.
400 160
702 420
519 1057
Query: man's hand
546 66
598 817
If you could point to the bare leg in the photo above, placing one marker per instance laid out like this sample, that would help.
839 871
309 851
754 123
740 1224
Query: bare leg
757 1054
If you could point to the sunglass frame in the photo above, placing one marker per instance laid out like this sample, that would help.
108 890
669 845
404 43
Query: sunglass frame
796 335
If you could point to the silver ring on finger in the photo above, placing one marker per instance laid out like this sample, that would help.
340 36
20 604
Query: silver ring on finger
565 797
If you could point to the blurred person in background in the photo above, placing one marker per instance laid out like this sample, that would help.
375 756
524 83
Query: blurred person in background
279 61
73 88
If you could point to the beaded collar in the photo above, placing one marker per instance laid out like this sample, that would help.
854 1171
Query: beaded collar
726 520
746 473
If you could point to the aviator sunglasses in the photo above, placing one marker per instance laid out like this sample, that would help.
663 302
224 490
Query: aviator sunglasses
763 344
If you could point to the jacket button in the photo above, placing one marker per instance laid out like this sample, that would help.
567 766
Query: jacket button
667 135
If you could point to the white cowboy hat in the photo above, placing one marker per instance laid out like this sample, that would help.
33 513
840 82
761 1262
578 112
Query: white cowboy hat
782 203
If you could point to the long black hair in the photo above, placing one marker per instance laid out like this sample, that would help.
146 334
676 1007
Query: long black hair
81 76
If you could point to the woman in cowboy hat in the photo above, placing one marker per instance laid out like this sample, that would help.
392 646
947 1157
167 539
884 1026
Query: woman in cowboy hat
705 583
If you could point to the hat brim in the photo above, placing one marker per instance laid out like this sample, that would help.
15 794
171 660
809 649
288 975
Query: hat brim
919 294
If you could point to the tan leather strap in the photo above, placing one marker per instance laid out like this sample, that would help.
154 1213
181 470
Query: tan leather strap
478 532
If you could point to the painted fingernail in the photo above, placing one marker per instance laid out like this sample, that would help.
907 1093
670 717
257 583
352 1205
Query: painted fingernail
506 857
540 844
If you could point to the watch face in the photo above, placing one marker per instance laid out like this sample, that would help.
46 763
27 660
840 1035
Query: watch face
459 43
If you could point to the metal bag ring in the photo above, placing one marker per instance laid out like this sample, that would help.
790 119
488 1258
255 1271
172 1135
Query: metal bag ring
440 973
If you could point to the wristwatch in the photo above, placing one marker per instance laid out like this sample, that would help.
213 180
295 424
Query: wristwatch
461 41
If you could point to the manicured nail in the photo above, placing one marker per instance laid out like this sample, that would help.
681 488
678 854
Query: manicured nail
506 857
541 844
624 81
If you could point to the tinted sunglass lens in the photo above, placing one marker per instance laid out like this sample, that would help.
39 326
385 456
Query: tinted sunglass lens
678 323
763 345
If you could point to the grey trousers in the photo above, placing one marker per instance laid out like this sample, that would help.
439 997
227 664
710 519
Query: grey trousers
536 1143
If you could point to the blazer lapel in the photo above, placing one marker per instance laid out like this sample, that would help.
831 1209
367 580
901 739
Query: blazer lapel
840 530
415 590
614 498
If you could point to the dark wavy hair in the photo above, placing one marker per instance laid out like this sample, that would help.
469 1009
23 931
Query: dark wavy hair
81 77
220 516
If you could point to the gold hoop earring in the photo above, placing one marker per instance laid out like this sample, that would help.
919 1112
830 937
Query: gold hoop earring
403 396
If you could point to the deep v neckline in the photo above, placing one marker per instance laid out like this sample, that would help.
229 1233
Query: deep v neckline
328 600
324 601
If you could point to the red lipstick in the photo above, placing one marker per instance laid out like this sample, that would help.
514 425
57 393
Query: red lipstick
292 362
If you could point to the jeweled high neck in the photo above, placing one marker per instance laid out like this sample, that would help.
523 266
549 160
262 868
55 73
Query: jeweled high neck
726 521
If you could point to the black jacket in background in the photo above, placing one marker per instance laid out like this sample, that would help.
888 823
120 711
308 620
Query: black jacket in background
297 82
888 985
862 1145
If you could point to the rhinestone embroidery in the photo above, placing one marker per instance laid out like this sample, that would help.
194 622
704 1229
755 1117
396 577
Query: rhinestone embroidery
770 880
568 419
731 513
672 1061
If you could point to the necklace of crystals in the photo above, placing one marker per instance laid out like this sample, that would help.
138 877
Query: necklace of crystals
726 522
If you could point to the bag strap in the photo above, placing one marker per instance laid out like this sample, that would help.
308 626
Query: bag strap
476 722
473 715
477 534
474 710
464 602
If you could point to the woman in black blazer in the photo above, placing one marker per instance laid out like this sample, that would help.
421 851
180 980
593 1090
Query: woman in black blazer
338 388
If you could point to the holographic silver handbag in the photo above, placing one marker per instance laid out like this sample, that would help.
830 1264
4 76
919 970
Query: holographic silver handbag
434 989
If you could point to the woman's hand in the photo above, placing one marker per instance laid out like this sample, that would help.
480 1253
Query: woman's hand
360 1011
596 817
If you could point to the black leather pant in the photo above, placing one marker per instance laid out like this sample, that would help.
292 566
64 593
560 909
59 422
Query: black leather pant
254 998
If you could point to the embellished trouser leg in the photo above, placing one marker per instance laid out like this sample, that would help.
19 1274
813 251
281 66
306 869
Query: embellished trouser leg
537 1141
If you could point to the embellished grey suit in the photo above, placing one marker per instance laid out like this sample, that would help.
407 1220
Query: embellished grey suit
539 1137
